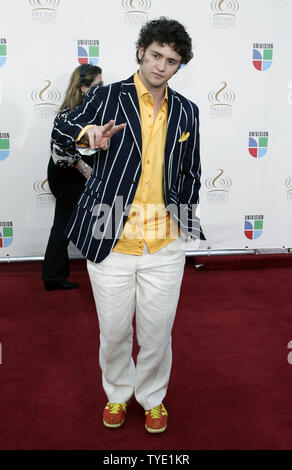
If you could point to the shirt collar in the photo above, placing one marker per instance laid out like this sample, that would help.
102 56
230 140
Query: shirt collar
142 90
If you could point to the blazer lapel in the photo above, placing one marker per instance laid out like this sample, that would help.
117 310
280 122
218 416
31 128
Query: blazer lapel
130 106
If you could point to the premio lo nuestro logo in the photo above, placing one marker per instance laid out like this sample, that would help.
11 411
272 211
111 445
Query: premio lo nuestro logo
253 226
47 100
288 184
44 196
3 51
221 101
6 234
224 13
258 144
4 145
262 56
136 11
88 51
218 188
44 11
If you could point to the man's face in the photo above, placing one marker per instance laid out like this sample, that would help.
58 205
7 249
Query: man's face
158 64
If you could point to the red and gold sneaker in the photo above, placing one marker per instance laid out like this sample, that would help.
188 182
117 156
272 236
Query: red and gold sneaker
114 414
156 419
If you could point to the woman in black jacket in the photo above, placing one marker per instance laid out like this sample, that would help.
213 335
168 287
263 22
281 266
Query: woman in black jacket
67 178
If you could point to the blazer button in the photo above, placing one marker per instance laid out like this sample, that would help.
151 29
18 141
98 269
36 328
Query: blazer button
134 181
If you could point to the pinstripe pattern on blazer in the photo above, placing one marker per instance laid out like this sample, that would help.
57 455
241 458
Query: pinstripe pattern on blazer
110 190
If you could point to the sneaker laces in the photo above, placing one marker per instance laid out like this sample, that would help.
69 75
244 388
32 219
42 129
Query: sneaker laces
156 412
115 407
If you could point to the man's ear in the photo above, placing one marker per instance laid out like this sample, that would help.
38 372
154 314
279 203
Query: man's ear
140 53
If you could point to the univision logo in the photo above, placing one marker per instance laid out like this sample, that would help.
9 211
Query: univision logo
3 51
224 13
88 51
44 11
262 56
221 101
136 11
253 226
218 188
6 234
46 101
258 144
4 145
44 196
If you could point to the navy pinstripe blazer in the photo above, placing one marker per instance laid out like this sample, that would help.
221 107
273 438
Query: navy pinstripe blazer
110 190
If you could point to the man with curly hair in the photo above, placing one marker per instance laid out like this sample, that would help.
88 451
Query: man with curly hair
137 206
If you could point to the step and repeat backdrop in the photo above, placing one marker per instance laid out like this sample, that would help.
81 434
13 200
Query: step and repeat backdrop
240 77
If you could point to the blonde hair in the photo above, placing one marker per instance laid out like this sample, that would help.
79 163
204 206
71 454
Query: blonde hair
83 75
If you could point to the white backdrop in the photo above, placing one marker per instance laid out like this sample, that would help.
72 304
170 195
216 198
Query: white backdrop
246 112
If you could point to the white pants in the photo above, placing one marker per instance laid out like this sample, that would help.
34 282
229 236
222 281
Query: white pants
149 284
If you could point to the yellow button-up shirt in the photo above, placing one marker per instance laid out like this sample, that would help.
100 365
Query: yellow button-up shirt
148 221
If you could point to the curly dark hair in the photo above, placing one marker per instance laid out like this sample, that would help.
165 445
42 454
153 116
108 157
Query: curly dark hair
166 31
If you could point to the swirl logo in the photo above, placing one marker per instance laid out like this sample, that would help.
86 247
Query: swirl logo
44 196
219 183
46 100
224 13
44 11
221 102
137 5
288 184
46 95
42 187
44 4
220 97
225 7
136 11
218 187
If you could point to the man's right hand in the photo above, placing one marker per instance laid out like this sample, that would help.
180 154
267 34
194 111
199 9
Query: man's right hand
98 136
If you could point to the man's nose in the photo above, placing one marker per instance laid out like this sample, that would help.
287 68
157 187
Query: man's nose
162 65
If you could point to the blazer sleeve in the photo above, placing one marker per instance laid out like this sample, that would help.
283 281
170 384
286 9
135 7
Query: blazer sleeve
67 129
191 181
191 165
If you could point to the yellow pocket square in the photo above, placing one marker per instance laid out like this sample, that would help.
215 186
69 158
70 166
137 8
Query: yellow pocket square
184 137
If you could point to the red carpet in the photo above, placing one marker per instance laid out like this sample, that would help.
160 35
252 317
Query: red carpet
231 384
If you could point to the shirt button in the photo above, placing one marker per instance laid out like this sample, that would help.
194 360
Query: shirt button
148 161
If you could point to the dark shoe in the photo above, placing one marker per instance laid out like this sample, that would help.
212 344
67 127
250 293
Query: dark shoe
55 285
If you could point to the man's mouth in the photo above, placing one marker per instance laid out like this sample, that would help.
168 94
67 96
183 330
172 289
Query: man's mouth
157 75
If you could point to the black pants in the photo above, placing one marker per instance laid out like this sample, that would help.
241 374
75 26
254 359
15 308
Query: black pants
66 184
